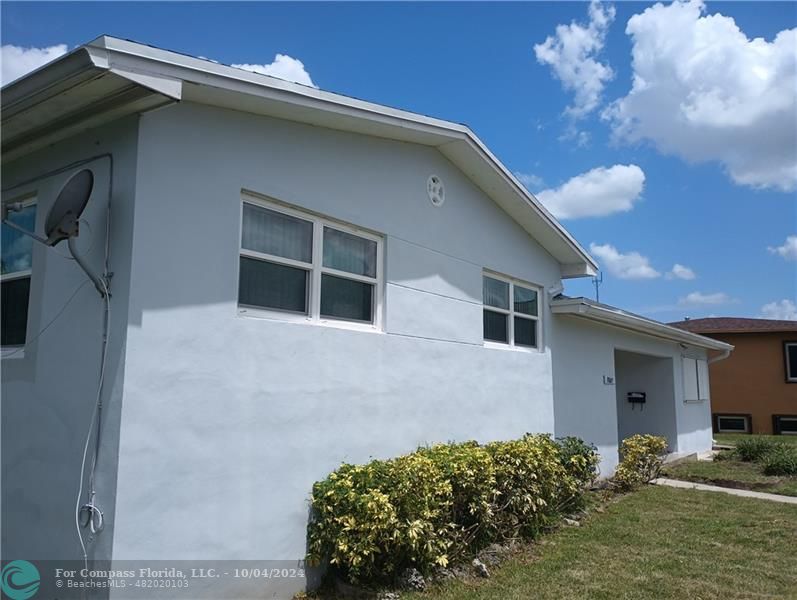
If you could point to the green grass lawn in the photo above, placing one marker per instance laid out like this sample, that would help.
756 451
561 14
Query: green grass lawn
730 439
732 473
661 543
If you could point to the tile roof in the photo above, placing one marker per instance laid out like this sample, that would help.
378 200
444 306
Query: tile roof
734 325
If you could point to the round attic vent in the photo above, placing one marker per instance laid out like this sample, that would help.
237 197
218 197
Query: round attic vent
436 190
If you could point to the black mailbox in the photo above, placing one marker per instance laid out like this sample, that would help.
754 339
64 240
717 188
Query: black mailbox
636 397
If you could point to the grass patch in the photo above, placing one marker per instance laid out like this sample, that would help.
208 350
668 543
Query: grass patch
732 473
660 543
730 439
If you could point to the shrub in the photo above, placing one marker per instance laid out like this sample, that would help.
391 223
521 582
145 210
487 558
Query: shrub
781 460
641 458
373 521
755 448
470 470
580 459
530 484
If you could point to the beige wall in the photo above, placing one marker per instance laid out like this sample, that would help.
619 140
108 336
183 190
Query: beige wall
753 379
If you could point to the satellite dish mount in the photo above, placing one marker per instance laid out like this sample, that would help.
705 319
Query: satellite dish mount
63 221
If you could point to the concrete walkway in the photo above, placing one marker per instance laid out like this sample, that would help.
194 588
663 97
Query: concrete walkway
732 491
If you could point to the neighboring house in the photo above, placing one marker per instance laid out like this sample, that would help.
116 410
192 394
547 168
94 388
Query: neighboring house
299 279
755 390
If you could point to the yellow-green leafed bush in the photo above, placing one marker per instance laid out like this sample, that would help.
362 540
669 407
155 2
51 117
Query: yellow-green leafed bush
641 458
470 470
442 503
530 481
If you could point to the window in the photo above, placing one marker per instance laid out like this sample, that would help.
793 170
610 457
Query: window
790 351
733 423
511 312
17 250
785 424
297 264
695 379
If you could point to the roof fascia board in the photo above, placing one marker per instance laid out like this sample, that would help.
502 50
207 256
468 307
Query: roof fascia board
73 69
580 308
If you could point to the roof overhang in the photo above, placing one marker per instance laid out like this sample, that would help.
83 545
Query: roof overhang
109 78
79 91
608 315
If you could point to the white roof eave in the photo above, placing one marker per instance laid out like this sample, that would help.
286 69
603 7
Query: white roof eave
601 313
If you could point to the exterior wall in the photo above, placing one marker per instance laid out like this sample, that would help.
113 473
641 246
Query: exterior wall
49 389
752 380
224 408
583 353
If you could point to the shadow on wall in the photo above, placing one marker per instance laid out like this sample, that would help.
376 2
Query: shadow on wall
645 396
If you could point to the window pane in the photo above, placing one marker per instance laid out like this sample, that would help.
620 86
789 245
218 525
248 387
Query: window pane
495 327
270 232
788 425
14 311
525 301
525 332
270 285
791 358
350 253
17 247
732 423
496 293
346 299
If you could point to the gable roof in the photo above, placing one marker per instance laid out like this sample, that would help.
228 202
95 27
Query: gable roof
109 78
609 315
735 325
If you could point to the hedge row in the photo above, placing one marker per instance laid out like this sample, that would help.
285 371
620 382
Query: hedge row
443 503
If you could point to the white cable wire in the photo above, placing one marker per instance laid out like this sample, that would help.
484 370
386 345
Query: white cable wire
90 507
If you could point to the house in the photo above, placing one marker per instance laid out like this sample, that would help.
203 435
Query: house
755 391
297 278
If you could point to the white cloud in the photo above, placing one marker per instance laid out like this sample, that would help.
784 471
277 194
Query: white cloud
624 266
788 250
596 193
284 67
785 310
701 299
705 92
530 181
571 55
679 271
17 61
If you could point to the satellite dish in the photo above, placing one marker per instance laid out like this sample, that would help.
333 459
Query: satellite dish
62 220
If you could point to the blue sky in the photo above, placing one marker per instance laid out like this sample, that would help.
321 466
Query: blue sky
696 164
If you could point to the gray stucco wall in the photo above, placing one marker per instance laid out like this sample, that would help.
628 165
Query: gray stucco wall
49 389
223 408
586 407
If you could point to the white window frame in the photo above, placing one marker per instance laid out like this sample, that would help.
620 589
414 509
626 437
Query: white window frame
315 269
790 377
743 417
25 273
512 281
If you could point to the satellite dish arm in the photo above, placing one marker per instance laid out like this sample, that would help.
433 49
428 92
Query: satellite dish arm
99 282
24 231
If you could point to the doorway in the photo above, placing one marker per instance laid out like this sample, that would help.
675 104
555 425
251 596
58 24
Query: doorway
645 388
